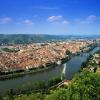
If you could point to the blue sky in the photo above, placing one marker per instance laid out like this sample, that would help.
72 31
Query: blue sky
78 17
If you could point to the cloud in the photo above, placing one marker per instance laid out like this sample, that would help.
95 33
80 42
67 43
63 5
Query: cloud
89 19
5 20
45 8
57 19
92 18
24 21
28 22
65 22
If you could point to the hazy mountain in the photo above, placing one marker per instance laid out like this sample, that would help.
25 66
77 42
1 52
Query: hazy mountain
31 38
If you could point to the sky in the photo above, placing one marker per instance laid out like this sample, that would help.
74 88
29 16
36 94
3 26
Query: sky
56 17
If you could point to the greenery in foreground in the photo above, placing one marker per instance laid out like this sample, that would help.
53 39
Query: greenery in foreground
84 86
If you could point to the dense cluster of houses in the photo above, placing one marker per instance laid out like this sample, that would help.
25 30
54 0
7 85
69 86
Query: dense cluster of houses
37 54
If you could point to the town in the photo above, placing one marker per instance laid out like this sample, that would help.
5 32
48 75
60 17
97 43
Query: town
35 55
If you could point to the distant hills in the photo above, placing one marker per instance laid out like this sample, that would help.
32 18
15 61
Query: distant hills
34 38
26 38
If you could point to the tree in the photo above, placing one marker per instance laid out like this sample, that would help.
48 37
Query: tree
9 95
68 52
95 69
84 86
54 81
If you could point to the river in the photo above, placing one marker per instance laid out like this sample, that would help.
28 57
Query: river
72 66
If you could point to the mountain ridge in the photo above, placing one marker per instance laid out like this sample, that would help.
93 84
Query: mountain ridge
34 38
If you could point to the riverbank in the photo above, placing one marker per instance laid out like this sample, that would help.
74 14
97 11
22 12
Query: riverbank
39 86
82 87
92 63
23 73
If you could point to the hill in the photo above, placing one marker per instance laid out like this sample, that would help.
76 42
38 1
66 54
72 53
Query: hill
6 39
